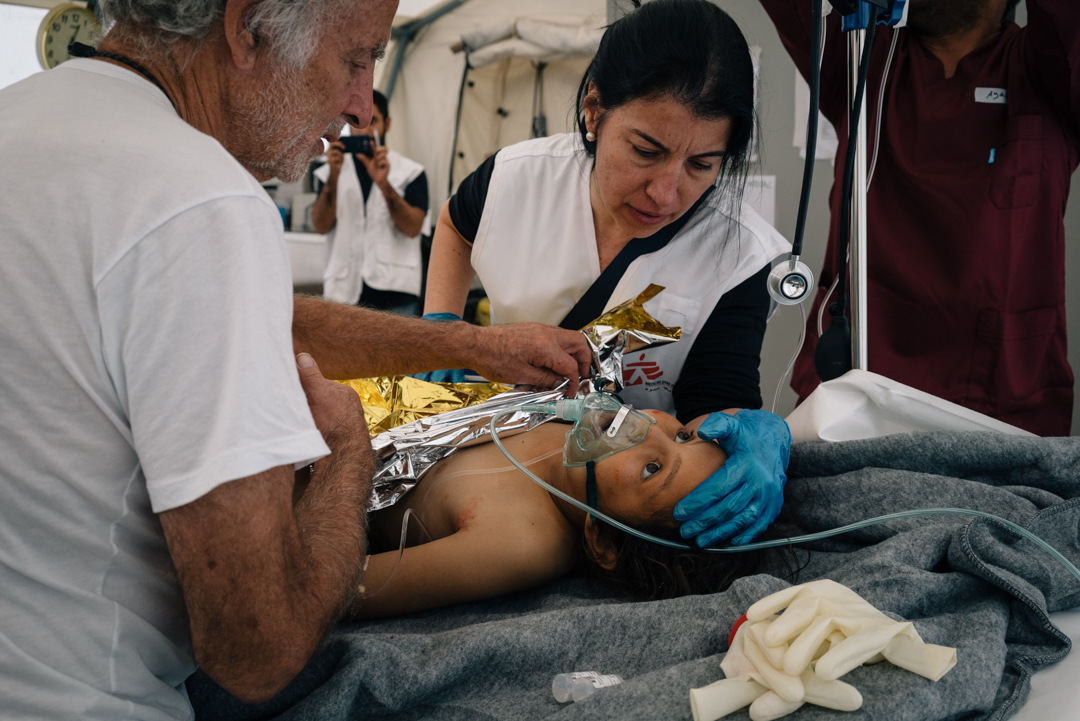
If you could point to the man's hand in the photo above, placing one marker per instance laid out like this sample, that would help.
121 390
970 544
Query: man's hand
335 157
530 354
336 408
745 495
377 166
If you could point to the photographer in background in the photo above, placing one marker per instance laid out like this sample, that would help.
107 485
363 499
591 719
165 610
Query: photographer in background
373 207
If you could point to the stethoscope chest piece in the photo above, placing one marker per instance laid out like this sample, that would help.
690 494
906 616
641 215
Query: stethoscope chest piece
790 282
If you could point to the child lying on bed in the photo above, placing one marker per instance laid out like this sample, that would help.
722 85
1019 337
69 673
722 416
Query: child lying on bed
494 531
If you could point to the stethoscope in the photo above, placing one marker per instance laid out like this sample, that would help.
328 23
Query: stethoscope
790 280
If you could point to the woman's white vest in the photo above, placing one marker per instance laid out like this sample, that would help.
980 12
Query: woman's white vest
535 252
365 246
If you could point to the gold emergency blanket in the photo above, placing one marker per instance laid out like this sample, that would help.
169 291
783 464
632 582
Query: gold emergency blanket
405 453
624 329
391 401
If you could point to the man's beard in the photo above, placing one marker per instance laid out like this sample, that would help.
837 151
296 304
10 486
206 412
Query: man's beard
940 18
275 127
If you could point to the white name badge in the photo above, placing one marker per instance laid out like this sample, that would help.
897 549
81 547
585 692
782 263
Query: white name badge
995 96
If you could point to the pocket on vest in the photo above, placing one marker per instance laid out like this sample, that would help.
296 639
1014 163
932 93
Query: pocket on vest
402 254
676 310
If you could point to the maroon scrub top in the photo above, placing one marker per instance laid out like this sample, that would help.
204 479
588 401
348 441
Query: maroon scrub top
966 239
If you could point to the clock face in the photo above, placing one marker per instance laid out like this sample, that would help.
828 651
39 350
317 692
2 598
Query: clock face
63 25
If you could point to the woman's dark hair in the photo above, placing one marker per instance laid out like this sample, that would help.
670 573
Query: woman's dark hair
647 571
690 51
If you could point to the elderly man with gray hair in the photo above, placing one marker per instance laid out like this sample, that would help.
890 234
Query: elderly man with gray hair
160 383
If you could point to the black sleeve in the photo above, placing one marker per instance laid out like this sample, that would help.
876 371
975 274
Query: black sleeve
467 204
416 192
721 370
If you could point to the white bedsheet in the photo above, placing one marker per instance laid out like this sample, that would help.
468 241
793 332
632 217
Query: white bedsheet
860 404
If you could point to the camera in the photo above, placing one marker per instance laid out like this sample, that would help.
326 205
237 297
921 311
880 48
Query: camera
363 144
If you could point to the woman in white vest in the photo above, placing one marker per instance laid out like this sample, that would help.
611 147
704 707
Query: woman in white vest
649 190
373 207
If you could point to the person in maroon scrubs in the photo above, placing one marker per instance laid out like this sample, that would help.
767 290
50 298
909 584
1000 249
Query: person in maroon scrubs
966 241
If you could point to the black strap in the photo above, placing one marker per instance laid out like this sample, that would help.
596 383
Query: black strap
591 305
79 50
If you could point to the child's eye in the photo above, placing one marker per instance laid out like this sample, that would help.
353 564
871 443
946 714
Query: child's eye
683 436
650 470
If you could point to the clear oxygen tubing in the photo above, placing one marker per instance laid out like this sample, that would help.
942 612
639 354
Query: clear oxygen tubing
780 541
873 163
410 513
881 106
794 356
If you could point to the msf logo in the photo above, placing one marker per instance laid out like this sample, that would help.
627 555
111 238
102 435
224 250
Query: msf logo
640 371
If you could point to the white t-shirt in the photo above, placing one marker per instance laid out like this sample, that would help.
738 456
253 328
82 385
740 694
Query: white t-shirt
145 358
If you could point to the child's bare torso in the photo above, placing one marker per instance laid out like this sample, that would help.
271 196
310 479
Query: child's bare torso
477 485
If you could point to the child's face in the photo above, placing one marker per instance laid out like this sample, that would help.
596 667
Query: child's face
647 481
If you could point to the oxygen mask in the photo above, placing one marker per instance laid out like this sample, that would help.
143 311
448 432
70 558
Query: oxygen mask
603 426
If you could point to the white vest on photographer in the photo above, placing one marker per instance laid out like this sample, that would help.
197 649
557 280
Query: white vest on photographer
365 246
535 253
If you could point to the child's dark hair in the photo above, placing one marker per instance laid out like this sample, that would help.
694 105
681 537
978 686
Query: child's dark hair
646 571
690 51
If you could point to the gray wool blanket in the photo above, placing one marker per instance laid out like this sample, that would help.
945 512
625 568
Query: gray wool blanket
967 583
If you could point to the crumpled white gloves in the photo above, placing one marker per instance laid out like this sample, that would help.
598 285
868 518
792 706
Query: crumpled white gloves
777 663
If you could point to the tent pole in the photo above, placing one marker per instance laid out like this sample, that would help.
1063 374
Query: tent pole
457 123
404 34
399 57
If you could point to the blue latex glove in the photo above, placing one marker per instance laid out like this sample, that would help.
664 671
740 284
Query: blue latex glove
745 495
456 375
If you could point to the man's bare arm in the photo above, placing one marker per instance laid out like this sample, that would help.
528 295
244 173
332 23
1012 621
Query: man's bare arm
408 218
324 210
353 342
262 579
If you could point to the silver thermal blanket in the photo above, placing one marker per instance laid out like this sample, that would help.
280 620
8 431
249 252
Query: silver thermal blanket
965 583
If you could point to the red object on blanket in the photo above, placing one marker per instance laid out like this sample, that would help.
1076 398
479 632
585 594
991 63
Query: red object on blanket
735 629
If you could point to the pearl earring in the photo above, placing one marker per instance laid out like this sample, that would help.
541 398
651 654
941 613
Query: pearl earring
590 136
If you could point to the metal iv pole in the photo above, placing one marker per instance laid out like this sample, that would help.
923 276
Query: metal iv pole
857 240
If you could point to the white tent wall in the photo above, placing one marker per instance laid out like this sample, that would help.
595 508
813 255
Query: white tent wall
507 86
424 103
